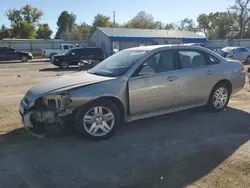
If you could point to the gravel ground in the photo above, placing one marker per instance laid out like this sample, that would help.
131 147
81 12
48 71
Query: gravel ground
193 148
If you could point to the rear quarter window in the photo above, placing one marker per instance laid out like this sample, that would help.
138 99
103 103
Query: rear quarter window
93 51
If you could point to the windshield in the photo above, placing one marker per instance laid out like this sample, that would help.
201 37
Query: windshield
69 52
116 65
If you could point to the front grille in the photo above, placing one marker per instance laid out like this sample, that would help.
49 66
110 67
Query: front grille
52 103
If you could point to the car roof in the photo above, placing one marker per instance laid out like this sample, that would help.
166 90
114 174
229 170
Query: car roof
82 48
153 47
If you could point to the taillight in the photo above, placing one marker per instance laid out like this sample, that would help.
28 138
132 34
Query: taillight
242 68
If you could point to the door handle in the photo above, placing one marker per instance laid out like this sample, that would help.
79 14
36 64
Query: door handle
171 78
209 72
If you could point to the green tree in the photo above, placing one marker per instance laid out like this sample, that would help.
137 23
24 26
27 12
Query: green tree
216 25
24 21
204 24
85 31
159 25
241 12
142 20
43 31
4 32
101 20
169 26
80 32
117 25
187 24
65 24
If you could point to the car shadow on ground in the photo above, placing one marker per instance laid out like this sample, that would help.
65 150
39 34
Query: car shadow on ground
57 69
172 150
30 61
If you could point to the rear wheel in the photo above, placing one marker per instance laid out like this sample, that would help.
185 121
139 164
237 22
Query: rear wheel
64 65
98 120
24 58
219 97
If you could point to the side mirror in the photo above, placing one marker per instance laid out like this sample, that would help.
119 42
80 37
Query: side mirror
146 71
73 53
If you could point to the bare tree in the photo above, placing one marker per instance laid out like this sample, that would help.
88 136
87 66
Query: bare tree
240 11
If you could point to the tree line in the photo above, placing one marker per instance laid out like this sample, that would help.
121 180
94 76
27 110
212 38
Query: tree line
25 24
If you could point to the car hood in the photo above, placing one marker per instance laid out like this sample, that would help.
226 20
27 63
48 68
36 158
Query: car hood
59 56
23 52
63 83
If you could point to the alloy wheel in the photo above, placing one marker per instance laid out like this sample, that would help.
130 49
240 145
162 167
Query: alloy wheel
98 121
220 98
24 58
64 64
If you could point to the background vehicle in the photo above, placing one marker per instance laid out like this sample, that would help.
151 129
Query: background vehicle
75 55
133 84
48 53
7 54
237 53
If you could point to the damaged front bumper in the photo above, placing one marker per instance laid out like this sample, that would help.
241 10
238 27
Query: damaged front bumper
42 122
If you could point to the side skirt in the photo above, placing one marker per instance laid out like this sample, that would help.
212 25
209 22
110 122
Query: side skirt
162 112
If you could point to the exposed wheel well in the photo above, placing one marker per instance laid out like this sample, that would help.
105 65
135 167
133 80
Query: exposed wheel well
118 104
52 54
228 84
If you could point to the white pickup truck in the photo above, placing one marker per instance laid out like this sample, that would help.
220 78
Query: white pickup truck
48 53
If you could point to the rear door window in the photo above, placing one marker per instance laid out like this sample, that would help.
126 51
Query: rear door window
6 50
191 59
92 52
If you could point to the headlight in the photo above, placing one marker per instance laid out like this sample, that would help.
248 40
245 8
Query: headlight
30 54
57 101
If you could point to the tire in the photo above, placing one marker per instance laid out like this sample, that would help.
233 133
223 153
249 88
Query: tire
51 55
90 120
219 97
24 58
64 65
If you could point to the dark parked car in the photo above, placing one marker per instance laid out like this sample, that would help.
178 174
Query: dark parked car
7 54
75 55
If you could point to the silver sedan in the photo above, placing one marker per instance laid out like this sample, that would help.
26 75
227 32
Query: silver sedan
237 53
133 84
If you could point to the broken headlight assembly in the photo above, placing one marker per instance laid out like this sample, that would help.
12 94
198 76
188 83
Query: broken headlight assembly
57 101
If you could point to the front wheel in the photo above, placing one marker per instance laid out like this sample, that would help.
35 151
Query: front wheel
64 65
24 59
98 120
219 98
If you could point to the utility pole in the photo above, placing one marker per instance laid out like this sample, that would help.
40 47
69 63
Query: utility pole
114 19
